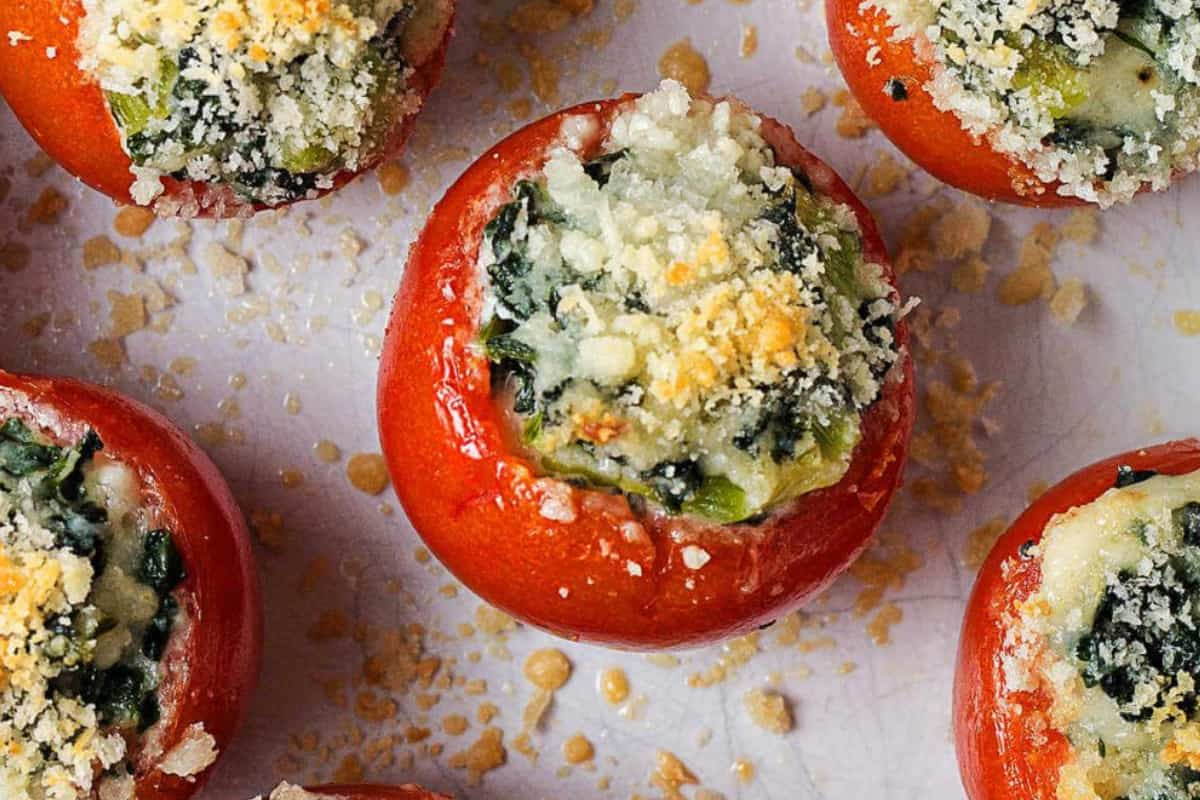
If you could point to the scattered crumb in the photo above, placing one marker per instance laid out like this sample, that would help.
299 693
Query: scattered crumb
768 711
854 122
813 100
367 472
749 44
47 208
743 770
393 177
884 175
614 685
980 541
578 749
670 775
1069 301
1187 322
485 755
684 63
1082 227
133 221
99 251
547 669
1032 279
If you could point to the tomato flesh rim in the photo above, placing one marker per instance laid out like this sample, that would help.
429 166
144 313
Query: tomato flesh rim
432 328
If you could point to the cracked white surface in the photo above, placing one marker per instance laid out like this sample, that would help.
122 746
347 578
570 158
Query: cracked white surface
1121 377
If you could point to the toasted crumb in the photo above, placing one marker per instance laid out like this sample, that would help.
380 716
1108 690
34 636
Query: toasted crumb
1032 279
880 627
749 44
970 276
961 232
684 63
578 749
455 724
547 669
535 17
485 755
99 251
1187 322
268 528
14 256
133 221
980 541
493 622
367 472
126 314
614 685
1069 301
1082 227
47 208
854 122
768 711
743 770
885 175
670 775
813 100
393 177
109 353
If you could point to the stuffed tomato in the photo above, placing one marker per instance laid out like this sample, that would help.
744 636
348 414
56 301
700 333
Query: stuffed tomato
287 791
1035 103
1080 651
216 109
646 381
130 618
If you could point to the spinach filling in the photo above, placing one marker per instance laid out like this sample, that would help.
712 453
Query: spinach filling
189 129
802 424
52 480
1146 630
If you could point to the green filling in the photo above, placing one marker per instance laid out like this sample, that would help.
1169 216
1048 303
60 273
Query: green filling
806 447
177 122
124 694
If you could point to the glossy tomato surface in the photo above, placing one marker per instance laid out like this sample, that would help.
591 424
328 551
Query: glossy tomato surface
862 41
364 791
65 112
211 663
602 574
1005 751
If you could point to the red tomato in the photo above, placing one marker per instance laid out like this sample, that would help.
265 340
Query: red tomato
374 792
211 664
861 39
1004 755
65 111
477 505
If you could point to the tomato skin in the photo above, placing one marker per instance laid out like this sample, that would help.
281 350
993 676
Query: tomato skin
477 505
1003 756
65 112
220 654
363 791
861 40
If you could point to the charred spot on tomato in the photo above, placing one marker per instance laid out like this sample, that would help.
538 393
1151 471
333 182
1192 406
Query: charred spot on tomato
270 105
681 320
93 634
895 89
1128 476
1100 98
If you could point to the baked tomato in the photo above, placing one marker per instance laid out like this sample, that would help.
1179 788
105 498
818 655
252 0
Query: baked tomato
1048 107
358 791
131 566
635 440
195 111
1069 682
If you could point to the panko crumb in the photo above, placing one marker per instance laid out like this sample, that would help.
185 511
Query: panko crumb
670 775
854 122
485 755
885 175
1032 279
194 753
1069 301
813 100
1187 322
769 711
684 63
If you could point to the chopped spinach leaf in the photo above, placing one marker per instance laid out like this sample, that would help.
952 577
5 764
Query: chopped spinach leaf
673 482
162 566
1128 476
599 169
